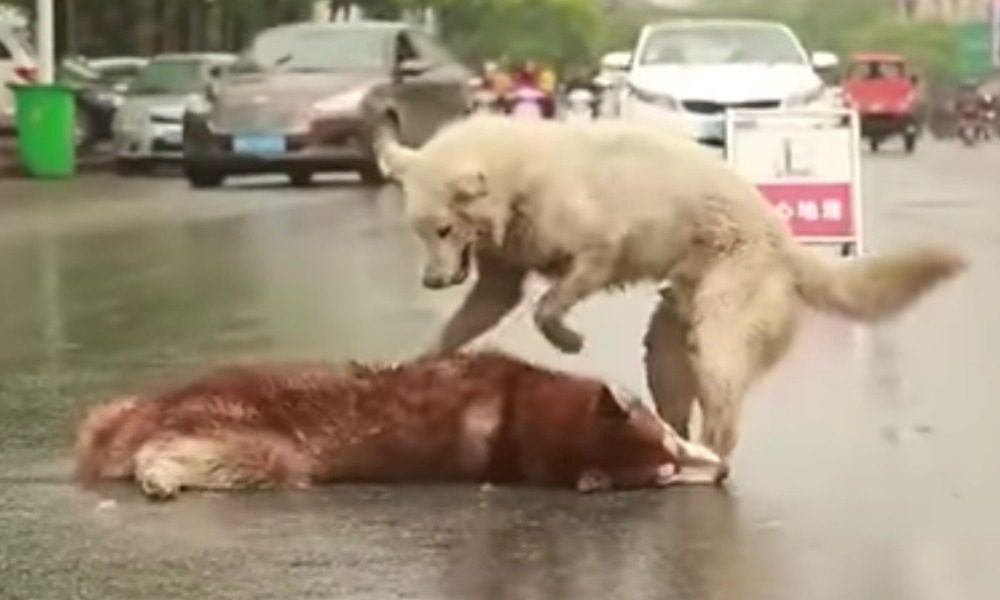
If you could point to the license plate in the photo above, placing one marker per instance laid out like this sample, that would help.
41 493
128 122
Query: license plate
714 130
259 143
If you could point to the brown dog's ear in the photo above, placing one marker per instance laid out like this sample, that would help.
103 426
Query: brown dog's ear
609 407
468 185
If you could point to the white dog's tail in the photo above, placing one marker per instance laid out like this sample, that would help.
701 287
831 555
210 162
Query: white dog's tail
874 287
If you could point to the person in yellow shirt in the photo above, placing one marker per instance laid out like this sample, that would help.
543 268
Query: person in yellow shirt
547 80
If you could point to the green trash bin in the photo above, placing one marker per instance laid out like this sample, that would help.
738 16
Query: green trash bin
45 127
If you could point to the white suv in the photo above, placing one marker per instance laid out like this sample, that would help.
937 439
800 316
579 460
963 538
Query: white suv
692 72
17 65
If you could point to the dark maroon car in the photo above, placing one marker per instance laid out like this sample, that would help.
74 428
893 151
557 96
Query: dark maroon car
312 97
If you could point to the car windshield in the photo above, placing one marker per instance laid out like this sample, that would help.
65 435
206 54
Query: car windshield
877 70
721 45
318 51
74 71
170 77
118 73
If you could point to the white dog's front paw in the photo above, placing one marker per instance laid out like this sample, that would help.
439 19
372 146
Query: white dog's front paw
561 337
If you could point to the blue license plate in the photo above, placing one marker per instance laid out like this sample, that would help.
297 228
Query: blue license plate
715 130
259 143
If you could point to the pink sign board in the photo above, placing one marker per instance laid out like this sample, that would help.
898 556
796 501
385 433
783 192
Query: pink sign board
814 210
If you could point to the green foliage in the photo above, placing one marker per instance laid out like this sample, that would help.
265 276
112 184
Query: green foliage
561 32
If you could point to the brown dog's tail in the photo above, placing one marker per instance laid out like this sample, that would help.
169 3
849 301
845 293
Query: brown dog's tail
874 287
106 441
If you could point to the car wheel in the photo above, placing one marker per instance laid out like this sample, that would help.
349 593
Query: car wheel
202 178
376 172
84 131
301 178
371 174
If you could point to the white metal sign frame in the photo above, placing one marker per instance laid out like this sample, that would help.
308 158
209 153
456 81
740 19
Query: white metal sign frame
741 119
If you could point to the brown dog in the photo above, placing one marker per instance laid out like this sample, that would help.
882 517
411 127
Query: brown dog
483 417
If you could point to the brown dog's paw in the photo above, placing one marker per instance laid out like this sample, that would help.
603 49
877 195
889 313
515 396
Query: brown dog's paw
160 489
592 481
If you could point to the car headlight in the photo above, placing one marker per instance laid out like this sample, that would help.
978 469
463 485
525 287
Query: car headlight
197 104
659 99
340 103
803 99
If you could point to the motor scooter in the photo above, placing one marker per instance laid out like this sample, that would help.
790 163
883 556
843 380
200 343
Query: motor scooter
971 128
525 102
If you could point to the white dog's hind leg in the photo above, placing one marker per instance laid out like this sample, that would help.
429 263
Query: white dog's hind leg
745 317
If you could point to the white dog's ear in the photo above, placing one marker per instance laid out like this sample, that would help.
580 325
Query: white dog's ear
396 158
468 185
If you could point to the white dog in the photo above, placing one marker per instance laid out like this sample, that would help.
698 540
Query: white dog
601 206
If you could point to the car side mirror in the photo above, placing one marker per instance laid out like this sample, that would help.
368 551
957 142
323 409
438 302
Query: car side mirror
412 67
617 62
822 61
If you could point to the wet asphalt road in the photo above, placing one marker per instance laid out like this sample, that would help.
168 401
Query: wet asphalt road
869 466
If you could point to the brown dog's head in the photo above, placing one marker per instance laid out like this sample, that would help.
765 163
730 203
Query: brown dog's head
625 444
579 431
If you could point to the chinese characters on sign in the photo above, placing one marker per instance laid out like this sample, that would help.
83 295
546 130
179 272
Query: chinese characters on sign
813 210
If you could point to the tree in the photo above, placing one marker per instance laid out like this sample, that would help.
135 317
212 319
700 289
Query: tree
562 32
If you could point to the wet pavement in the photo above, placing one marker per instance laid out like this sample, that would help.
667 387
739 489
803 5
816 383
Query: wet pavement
869 466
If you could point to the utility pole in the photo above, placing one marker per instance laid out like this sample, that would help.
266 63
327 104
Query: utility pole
69 14
46 41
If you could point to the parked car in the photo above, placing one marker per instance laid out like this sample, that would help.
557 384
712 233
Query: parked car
17 65
691 72
610 81
96 102
882 89
148 126
312 97
117 72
